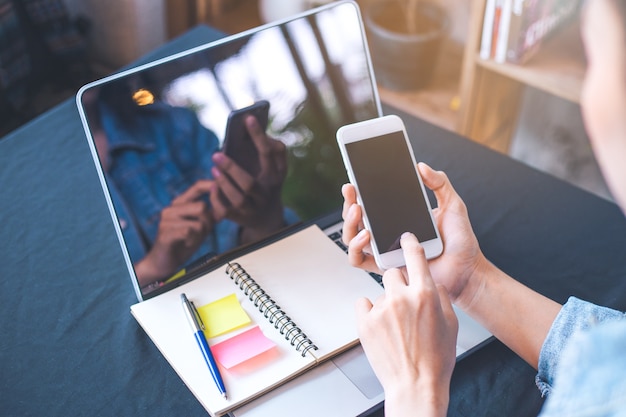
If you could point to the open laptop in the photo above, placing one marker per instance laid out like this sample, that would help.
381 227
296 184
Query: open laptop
315 72
152 131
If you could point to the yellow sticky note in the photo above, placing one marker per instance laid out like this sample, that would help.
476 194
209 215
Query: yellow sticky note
222 316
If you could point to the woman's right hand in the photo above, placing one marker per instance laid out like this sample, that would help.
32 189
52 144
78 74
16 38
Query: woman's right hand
461 254
409 336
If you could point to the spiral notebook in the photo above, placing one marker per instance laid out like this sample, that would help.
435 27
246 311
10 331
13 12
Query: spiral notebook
300 291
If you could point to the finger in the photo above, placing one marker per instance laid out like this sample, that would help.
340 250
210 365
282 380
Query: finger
349 198
198 189
188 231
184 231
235 184
190 210
218 208
279 152
439 183
261 142
186 228
392 279
351 224
232 194
415 258
356 252
227 170
358 255
432 179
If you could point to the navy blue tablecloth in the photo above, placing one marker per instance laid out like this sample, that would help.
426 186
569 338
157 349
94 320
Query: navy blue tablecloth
68 343
69 346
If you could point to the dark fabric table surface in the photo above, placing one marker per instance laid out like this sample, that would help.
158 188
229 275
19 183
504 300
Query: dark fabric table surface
69 346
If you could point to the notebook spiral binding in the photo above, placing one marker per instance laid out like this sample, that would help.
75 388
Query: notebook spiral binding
270 309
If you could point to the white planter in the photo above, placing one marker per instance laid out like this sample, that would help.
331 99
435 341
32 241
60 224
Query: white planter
271 10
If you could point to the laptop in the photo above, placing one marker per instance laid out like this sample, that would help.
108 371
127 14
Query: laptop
152 131
315 72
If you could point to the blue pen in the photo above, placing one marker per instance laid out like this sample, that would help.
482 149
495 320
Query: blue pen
197 326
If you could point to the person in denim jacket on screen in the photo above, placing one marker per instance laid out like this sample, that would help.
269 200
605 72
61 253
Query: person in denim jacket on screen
579 349
177 197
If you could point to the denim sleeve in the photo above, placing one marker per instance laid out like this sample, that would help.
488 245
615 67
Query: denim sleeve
576 315
590 376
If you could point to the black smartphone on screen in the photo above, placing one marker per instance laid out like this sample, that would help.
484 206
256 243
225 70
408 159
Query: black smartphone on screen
238 143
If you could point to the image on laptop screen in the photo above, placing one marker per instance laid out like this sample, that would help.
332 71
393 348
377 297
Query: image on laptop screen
157 131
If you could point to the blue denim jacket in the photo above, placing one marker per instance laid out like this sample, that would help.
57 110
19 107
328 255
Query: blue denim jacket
582 364
161 155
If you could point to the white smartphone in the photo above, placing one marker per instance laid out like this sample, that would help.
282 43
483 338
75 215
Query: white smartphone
381 165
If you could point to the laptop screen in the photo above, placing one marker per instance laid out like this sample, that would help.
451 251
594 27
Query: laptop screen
182 201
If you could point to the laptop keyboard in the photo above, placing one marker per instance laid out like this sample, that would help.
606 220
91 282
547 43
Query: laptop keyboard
336 237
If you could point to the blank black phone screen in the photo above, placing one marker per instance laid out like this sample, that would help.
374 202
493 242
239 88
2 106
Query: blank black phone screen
390 190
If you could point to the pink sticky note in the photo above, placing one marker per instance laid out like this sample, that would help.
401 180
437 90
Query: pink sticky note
240 348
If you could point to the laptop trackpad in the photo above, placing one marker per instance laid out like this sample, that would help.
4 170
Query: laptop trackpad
357 369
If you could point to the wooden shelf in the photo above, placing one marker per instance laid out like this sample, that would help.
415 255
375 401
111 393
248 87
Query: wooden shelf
491 93
437 102
480 99
558 67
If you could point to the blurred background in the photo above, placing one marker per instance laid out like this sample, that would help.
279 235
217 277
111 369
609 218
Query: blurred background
49 48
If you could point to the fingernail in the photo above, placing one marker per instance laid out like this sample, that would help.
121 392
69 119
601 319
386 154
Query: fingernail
218 157
361 234
252 123
406 235
216 172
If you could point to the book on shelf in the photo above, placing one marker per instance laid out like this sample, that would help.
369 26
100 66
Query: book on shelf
297 296
521 26
487 32
491 27
503 31
534 21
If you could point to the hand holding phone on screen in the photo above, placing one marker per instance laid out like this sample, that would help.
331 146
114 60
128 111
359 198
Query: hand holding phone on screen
381 165
238 144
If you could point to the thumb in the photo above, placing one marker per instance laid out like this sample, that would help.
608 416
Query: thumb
439 183
432 179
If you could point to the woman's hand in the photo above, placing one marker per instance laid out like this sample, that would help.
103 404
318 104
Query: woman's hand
515 314
409 336
461 253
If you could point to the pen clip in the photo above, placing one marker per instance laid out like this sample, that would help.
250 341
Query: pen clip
197 315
